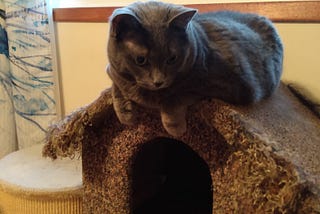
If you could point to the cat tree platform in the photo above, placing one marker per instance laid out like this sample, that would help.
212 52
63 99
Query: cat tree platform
32 184
262 158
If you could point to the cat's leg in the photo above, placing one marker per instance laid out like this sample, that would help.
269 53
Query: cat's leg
125 109
174 120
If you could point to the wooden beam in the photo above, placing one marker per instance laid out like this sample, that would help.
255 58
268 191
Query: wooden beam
292 11
85 14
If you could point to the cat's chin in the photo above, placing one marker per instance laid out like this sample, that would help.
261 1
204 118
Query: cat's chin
152 87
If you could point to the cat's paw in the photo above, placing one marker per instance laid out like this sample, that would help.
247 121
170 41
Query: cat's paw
174 128
125 111
174 120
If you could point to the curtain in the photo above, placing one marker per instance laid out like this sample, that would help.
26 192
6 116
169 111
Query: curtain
27 88
7 122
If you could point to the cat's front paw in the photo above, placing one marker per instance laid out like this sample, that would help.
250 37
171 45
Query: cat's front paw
175 128
125 111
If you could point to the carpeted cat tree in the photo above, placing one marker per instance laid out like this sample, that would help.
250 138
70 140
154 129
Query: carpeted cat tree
262 158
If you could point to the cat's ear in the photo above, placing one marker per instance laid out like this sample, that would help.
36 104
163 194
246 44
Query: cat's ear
182 19
123 21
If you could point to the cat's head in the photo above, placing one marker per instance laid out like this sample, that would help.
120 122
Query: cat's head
148 43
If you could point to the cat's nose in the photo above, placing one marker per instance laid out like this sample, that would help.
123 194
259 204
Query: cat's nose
158 84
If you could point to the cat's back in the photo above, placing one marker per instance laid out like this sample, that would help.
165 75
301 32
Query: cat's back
248 49
236 22
232 17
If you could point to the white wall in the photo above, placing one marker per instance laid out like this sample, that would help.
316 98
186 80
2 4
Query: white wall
302 55
82 59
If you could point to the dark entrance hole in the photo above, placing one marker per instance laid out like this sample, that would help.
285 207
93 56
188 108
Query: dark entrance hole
169 177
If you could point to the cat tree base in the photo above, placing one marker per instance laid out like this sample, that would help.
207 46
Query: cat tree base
31 184
261 158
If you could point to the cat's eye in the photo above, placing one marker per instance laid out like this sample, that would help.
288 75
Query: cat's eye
141 60
171 60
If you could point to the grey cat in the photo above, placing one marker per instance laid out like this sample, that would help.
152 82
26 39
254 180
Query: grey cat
168 57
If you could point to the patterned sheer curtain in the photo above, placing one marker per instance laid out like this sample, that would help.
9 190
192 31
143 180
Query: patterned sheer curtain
27 89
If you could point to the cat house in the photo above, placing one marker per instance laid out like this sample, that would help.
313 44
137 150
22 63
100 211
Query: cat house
261 158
